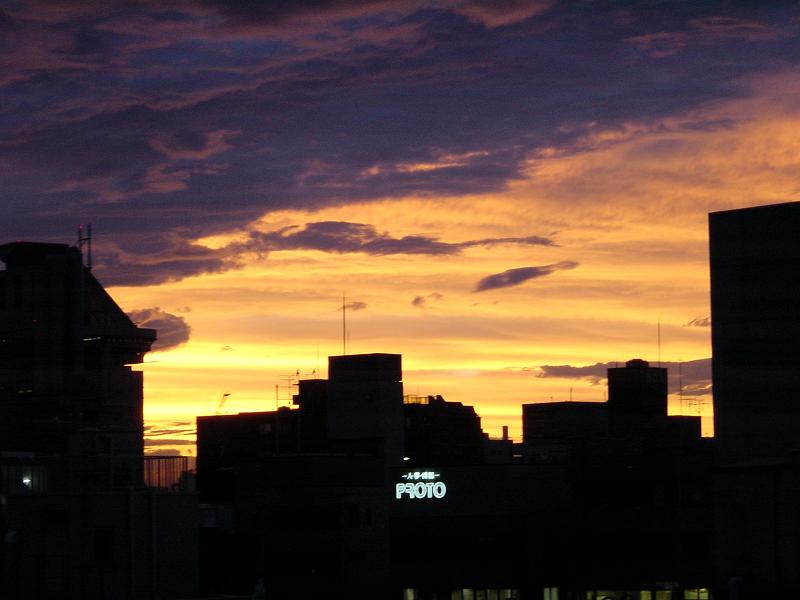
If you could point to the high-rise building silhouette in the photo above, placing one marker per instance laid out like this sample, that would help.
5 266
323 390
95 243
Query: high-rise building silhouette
755 327
637 396
66 387
77 519
316 500
755 316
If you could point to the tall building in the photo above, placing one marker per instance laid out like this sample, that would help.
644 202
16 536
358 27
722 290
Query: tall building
297 498
66 387
76 518
637 395
755 315
314 501
755 328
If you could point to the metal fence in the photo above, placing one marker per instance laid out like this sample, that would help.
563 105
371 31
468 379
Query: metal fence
25 474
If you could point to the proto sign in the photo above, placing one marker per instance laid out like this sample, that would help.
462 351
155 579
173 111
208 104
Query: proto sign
420 484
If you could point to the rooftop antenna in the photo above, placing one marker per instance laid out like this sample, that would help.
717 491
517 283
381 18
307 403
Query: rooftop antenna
659 343
680 384
222 402
344 325
85 239
288 383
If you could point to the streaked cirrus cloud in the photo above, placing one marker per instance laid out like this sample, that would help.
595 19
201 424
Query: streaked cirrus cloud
157 260
520 275
340 237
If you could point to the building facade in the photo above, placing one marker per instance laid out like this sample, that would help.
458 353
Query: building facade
76 517
755 284
312 505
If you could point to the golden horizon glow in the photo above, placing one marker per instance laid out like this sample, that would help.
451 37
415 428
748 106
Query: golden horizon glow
629 206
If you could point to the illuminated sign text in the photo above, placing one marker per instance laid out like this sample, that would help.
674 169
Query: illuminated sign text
420 484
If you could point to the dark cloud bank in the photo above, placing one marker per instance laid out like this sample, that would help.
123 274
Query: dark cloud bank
182 259
172 330
341 236
161 124
693 377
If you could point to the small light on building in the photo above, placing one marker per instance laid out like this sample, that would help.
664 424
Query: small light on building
406 458
26 480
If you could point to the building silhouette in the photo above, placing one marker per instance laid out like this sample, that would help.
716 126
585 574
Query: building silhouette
755 253
438 432
361 492
65 348
317 499
76 517
755 284
296 498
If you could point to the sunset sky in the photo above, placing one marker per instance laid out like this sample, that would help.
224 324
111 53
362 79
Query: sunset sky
512 195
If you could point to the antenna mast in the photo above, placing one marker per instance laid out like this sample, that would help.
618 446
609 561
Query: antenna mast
659 343
344 325
222 401
85 239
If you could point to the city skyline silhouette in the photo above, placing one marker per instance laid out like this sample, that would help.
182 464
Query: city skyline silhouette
513 198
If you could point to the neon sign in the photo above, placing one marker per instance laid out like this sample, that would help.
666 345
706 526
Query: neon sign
420 484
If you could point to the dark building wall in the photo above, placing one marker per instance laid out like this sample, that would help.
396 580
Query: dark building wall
312 427
65 347
757 524
438 432
309 510
636 509
227 441
99 545
76 518
755 286
365 400
626 509
496 527
550 421
637 396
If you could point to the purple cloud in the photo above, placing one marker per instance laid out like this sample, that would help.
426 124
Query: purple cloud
699 322
355 305
513 277
342 236
692 378
421 301
199 118
172 330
